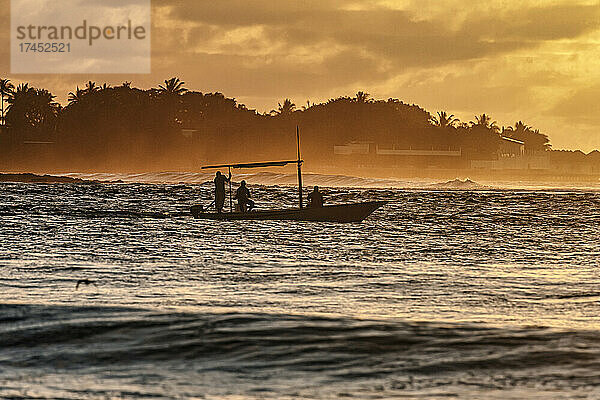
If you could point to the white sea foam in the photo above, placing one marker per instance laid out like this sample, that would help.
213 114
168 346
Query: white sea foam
311 179
260 178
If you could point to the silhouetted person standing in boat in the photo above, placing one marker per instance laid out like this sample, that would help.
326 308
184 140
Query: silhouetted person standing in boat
220 180
242 195
315 198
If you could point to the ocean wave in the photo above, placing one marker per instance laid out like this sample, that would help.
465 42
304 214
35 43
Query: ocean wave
259 178
458 184
94 213
86 337
332 180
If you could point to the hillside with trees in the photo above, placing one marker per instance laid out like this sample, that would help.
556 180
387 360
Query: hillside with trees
169 127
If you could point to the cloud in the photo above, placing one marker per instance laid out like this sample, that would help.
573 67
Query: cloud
581 105
513 59
249 76
396 36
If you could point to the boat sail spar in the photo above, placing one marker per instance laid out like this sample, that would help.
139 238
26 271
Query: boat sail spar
264 164
355 212
267 164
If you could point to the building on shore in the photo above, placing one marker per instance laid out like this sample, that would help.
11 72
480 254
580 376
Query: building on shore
365 154
511 155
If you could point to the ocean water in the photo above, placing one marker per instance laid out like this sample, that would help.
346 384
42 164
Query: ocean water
482 293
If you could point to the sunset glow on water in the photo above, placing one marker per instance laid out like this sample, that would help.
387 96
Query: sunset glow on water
438 293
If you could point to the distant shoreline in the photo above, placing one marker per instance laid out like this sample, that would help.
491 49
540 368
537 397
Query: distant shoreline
34 178
450 182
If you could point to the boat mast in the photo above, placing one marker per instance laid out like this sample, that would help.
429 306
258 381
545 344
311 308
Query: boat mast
230 200
299 168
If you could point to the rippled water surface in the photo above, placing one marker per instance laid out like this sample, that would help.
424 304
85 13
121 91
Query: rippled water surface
491 293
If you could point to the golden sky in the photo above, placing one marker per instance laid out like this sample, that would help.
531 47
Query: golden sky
536 61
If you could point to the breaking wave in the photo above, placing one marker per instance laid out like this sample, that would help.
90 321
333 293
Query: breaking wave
261 178
325 180
467 184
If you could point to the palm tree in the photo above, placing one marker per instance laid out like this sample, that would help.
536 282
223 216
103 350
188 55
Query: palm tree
19 93
507 131
287 108
91 87
362 97
443 120
521 127
170 96
484 121
533 139
32 110
75 97
6 90
45 100
173 86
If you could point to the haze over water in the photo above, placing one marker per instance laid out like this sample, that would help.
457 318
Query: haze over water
442 293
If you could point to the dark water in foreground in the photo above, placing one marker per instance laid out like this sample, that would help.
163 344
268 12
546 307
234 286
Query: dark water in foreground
470 294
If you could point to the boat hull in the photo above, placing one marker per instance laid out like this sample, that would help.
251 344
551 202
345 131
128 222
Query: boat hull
355 212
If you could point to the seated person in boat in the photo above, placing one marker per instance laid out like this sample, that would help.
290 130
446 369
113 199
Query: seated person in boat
242 195
220 180
315 198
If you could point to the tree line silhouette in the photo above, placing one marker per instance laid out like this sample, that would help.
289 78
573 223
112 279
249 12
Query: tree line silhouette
169 126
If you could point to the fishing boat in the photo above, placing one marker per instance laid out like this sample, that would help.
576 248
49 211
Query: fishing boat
353 212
